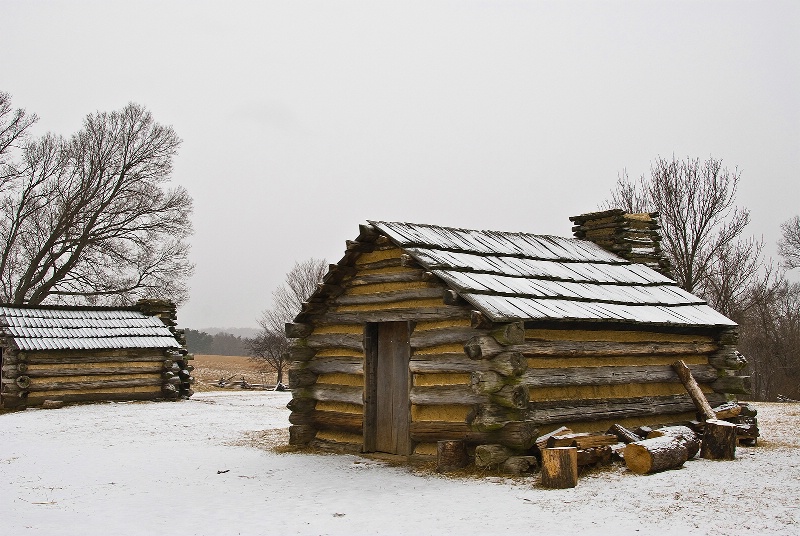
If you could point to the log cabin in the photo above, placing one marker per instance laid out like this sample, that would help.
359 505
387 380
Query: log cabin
79 354
423 333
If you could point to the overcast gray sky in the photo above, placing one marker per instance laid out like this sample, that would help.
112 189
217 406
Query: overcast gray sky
302 119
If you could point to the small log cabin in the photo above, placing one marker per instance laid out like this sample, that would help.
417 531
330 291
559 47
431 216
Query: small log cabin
424 333
78 354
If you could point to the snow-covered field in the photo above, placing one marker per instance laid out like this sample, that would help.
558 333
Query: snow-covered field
205 466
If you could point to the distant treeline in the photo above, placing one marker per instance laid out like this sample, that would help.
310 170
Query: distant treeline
200 342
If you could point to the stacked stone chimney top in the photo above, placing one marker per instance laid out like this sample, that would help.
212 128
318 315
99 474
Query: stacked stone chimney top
632 236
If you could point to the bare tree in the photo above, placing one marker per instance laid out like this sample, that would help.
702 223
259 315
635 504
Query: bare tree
14 125
695 202
89 219
770 336
269 349
270 345
739 279
789 244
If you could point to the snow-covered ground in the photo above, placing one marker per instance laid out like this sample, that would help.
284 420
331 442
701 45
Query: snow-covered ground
204 467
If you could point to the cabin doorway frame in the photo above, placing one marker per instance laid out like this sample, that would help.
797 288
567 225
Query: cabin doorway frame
387 386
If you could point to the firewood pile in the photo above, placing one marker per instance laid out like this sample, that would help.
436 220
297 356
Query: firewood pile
634 237
563 453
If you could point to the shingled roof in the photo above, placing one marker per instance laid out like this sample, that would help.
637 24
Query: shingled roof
521 276
75 328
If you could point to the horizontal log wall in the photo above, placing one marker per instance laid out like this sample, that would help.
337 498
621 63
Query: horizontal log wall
382 288
587 379
30 378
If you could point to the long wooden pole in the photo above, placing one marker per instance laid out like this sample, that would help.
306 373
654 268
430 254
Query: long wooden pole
699 399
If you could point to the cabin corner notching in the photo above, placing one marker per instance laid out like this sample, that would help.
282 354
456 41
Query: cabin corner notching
424 333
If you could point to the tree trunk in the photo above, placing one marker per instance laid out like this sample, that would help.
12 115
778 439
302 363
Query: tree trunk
719 440
560 467
653 455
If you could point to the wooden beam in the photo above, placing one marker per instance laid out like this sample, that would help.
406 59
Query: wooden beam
693 389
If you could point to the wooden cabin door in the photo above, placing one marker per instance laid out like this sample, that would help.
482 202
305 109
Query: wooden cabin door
387 408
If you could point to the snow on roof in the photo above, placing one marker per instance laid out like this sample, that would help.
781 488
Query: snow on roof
75 328
522 276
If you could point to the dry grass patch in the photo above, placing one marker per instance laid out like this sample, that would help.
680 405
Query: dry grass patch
208 369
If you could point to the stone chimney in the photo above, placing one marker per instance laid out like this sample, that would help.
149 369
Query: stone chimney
634 237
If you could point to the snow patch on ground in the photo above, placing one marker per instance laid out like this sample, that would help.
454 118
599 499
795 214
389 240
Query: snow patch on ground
204 466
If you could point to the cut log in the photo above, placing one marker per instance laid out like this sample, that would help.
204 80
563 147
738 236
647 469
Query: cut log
560 467
509 363
719 440
301 378
451 455
297 331
684 434
653 455
517 465
594 455
728 410
512 396
301 405
23 382
541 441
699 399
727 360
488 417
451 297
623 434
511 333
486 381
617 451
478 320
748 410
739 385
301 434
482 347
491 455
582 440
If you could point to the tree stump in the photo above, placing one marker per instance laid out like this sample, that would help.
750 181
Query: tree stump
653 455
719 440
560 467
684 434
451 455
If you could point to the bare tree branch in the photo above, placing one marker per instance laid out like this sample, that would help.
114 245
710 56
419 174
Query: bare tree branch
89 219
695 202
789 244
271 344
